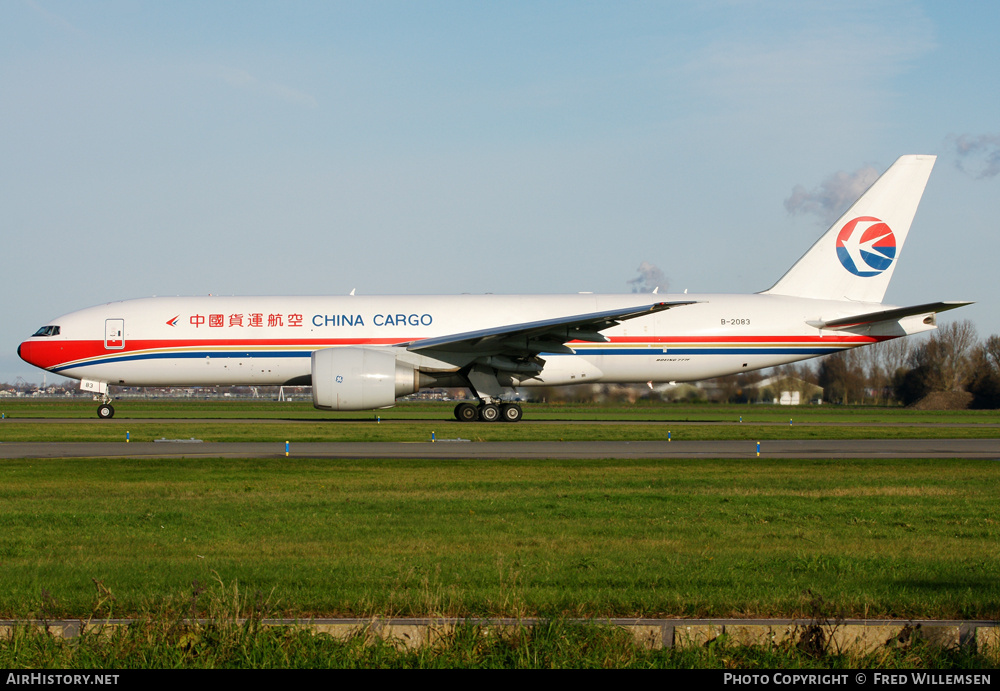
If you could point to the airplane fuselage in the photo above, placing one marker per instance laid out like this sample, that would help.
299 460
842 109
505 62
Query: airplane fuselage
199 341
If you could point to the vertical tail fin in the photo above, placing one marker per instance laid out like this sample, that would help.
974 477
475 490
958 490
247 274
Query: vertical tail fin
855 258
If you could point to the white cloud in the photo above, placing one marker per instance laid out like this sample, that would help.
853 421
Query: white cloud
813 67
649 279
241 79
833 196
978 156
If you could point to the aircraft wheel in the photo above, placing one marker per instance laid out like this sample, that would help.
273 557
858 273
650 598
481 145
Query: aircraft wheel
466 412
489 412
105 411
510 412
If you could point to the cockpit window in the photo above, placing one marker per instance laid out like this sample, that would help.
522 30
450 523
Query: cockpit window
47 331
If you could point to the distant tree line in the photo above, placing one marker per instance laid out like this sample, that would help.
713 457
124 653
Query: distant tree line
903 371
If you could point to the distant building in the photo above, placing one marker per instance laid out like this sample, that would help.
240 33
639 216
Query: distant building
786 391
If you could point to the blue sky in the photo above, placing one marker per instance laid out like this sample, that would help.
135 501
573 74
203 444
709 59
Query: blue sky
185 148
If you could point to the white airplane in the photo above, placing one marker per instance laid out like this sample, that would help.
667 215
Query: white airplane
363 352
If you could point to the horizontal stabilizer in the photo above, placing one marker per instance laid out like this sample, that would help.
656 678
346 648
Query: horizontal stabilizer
889 315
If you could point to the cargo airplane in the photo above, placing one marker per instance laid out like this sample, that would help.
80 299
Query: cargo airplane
364 352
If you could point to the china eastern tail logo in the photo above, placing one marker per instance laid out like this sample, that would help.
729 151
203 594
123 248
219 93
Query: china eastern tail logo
866 246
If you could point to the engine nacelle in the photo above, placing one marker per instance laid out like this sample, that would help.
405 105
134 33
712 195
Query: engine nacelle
360 378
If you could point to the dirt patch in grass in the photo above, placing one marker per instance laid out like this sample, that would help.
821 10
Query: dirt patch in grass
944 400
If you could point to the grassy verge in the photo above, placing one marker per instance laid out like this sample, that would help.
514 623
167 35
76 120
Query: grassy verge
878 538
408 431
163 643
144 409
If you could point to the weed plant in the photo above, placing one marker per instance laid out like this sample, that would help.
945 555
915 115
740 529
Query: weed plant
552 644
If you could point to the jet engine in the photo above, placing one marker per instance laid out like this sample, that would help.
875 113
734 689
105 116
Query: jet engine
360 378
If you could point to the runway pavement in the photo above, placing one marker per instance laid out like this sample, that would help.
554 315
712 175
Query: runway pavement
806 449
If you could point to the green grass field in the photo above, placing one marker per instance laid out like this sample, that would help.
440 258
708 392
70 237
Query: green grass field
556 539
232 421
162 539
579 538
194 408
340 431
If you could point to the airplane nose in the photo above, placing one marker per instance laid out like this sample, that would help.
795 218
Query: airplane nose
24 351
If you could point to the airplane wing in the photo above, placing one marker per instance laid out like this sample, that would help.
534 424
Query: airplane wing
531 338
889 315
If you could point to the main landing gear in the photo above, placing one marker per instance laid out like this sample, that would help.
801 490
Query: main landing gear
488 412
482 381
